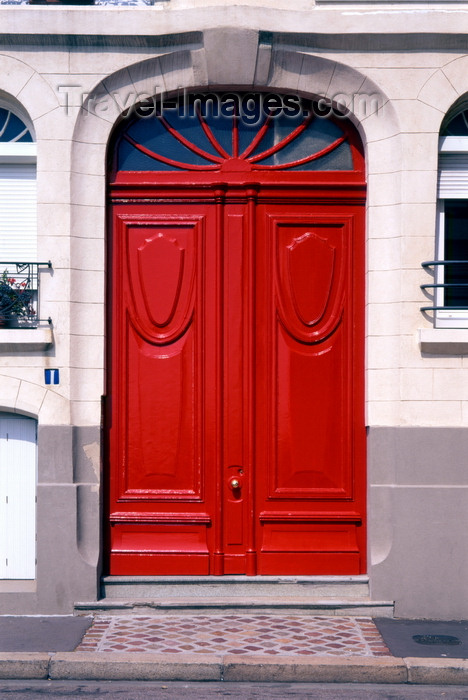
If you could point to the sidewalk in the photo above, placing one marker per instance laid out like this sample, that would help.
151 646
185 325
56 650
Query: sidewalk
232 647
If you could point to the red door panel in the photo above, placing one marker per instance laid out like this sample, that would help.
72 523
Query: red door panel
163 357
309 444
307 330
236 438
236 465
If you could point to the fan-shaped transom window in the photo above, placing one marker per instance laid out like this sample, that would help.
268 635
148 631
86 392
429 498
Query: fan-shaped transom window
12 128
240 132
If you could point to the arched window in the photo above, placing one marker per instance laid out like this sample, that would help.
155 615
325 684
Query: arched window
235 329
450 267
18 221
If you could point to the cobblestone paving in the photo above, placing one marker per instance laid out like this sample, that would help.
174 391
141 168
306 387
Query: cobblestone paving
287 635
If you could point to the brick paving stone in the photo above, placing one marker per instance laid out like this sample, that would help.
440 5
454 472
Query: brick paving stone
288 635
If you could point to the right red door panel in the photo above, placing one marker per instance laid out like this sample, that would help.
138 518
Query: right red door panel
309 448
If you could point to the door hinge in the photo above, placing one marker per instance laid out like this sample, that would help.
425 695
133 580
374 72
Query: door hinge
6 499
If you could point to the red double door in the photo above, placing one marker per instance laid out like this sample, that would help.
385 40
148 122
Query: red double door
236 427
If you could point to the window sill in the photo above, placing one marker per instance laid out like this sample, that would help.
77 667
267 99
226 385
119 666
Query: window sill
444 341
14 340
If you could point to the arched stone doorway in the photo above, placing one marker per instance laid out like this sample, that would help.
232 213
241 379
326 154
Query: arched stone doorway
236 439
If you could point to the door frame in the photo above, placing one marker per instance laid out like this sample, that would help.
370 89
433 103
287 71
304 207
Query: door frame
314 188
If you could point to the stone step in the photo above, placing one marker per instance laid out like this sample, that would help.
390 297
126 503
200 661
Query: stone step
353 607
310 595
169 588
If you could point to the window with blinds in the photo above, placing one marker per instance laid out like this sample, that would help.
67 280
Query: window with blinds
18 239
18 232
451 264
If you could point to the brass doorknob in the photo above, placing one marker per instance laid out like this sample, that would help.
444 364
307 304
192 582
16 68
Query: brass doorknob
234 484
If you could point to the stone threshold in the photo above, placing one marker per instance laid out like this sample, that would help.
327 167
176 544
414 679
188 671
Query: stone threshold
357 607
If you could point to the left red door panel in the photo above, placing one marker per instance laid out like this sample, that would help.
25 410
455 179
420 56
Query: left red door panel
163 389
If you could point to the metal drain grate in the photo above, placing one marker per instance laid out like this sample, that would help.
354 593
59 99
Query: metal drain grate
445 639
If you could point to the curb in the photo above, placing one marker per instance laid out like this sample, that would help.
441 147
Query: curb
24 665
190 667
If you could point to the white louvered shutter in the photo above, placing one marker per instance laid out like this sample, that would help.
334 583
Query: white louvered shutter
17 497
18 233
453 176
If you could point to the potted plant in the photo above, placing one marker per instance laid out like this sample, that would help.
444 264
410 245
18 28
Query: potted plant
15 301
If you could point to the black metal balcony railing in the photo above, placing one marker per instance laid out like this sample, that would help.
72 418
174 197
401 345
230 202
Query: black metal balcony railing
455 285
19 294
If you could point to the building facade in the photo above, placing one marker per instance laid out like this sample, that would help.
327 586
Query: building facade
89 396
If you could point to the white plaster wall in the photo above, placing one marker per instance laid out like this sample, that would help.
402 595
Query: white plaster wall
22 372
75 95
414 90
191 68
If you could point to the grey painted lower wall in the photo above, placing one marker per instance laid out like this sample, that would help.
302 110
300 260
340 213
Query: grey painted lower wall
68 525
418 520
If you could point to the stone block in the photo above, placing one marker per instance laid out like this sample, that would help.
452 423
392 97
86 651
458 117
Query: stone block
131 666
87 319
402 83
30 397
91 128
437 671
383 319
86 454
238 47
55 409
88 221
147 78
54 454
10 388
262 68
384 189
87 189
315 74
89 354
315 669
19 665
87 254
15 74
53 187
384 285
286 70
86 412
383 385
83 59
88 159
38 97
177 70
383 352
